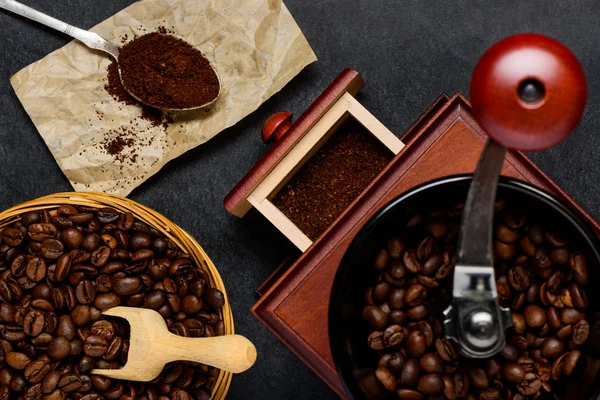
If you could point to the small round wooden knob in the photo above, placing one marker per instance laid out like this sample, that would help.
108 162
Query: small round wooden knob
528 92
276 126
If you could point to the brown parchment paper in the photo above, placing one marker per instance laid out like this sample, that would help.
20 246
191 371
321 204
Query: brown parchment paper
257 48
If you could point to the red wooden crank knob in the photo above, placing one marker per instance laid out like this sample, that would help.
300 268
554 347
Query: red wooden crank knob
528 92
276 126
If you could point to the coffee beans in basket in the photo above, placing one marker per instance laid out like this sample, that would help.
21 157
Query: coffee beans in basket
59 270
539 276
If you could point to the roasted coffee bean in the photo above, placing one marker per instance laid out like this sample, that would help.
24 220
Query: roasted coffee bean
95 346
63 267
425 328
375 341
415 295
504 251
31 217
518 278
449 389
506 234
115 347
446 350
543 369
72 238
570 316
393 336
489 394
381 260
85 292
557 366
397 317
462 383
510 352
410 374
107 300
479 378
100 383
126 286
570 362
50 382
37 370
552 348
553 318
565 332
380 292
36 269
535 316
91 242
100 256
407 394
581 331
542 259
58 348
416 344
42 231
396 298
530 387
560 256
395 248
513 372
426 248
375 317
519 324
428 281
578 296
34 323
70 383
107 215
104 329
17 360
52 249
431 362
83 333
445 269
579 268
13 333
411 262
519 301
70 297
12 236
432 265
387 379
503 288
417 313
431 384
81 315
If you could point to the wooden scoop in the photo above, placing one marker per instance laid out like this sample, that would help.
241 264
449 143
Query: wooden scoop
151 346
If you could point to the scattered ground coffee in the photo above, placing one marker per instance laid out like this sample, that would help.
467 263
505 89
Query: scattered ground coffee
332 179
167 72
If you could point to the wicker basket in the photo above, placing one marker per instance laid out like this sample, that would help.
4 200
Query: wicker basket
152 218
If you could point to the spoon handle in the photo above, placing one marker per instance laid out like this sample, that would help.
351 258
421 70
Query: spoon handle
90 39
233 353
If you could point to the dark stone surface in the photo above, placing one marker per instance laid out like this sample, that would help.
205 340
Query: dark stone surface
407 51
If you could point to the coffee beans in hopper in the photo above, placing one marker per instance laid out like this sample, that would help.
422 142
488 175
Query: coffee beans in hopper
60 269
539 276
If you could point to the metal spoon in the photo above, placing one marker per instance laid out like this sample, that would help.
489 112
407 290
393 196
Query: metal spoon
528 93
90 39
